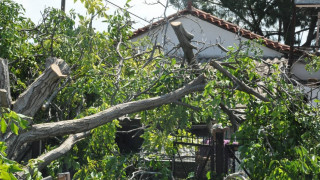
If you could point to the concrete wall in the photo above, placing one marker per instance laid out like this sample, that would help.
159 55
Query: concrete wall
205 34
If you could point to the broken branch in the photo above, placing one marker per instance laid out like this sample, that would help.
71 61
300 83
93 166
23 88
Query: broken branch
242 86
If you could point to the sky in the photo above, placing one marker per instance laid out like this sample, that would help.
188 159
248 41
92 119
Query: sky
139 7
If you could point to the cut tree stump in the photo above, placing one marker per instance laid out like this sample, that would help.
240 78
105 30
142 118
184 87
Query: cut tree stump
185 38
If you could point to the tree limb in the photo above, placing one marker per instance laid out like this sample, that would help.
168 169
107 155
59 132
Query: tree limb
65 147
45 130
242 86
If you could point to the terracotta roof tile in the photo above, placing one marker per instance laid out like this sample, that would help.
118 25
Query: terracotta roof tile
222 24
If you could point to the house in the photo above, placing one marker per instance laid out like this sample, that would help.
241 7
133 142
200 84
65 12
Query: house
207 30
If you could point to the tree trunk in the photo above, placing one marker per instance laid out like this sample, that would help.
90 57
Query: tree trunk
5 96
311 34
30 101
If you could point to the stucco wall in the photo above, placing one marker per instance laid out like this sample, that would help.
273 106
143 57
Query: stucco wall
299 70
205 34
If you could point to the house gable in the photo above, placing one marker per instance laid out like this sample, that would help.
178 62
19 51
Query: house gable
208 30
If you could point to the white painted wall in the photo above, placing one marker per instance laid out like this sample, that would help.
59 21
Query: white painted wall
203 32
313 92
299 70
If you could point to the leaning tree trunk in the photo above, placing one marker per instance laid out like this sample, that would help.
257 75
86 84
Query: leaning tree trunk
5 96
31 100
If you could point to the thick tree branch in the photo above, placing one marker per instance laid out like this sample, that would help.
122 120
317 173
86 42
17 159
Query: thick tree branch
5 96
29 102
65 147
242 86
45 130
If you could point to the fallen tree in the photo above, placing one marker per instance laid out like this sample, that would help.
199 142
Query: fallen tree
104 76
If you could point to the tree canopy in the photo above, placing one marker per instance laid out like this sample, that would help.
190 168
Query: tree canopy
71 86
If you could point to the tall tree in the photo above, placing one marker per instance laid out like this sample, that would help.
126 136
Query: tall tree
269 18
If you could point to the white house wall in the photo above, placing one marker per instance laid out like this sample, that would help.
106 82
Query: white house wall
204 32
299 70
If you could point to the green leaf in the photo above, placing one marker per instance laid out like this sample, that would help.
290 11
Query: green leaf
14 168
173 62
3 125
4 175
14 128
23 124
208 175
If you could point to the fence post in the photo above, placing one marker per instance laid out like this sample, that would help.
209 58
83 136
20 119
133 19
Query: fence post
219 153
218 135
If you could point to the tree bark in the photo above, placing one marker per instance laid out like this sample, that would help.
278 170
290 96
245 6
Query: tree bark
4 100
5 97
185 42
45 130
30 101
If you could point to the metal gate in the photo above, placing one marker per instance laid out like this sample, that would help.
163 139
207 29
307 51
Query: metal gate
200 157
194 157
